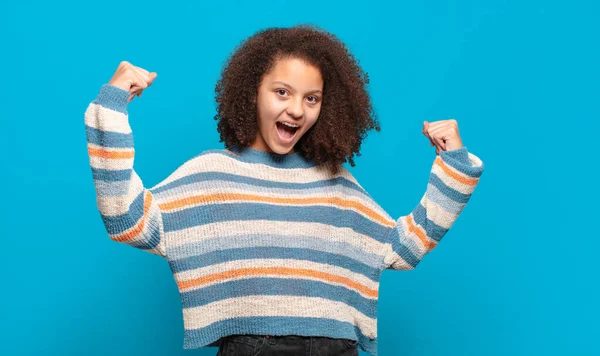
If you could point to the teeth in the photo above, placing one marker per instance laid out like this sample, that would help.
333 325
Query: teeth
288 124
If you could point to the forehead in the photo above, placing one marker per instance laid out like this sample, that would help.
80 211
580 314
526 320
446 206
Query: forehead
296 73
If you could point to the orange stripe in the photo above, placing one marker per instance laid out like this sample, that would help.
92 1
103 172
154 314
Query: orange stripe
412 227
458 177
282 271
140 226
102 153
221 197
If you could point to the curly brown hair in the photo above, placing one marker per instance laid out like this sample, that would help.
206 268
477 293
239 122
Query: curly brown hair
346 111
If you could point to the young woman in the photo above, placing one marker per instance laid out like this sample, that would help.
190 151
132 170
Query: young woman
275 246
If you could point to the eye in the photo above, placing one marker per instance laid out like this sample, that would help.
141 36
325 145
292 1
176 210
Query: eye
316 99
279 91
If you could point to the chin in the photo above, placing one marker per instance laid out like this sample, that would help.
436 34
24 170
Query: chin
281 149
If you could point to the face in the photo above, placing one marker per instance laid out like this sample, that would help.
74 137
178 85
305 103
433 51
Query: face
292 93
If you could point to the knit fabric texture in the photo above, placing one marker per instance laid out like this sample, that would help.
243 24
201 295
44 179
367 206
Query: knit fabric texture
265 243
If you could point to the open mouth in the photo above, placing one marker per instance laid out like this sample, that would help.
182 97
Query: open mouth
286 133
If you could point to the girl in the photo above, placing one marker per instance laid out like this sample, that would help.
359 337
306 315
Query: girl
275 247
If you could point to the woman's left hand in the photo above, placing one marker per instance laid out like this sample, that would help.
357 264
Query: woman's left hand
443 135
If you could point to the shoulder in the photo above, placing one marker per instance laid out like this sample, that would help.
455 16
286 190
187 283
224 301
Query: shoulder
210 155
210 160
347 175
213 151
365 198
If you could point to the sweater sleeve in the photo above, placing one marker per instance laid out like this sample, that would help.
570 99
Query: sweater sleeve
130 213
453 178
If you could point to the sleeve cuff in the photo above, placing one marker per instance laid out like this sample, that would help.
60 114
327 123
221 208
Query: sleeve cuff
463 161
113 97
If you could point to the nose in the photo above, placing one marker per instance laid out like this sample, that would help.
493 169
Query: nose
295 108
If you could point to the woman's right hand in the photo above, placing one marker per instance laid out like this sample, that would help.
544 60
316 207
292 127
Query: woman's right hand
132 78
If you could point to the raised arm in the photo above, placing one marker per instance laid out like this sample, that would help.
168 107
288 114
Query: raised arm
453 178
129 211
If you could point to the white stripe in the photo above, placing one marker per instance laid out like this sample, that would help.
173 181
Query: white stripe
475 161
119 205
437 214
285 306
105 119
201 234
111 163
222 163
395 261
450 205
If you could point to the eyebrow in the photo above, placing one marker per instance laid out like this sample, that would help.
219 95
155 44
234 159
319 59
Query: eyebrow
290 87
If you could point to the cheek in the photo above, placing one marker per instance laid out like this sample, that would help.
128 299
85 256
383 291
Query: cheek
270 108
312 118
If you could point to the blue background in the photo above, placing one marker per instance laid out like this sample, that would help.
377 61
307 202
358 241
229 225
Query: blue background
516 275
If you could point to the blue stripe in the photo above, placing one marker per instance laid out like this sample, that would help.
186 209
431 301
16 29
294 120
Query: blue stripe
260 252
154 238
330 215
401 249
111 189
111 175
433 230
108 138
257 240
279 286
113 98
434 195
265 325
449 192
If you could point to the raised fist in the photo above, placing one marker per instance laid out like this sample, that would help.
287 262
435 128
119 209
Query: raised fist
132 78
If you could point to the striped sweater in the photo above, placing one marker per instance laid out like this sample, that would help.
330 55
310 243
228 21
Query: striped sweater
263 243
